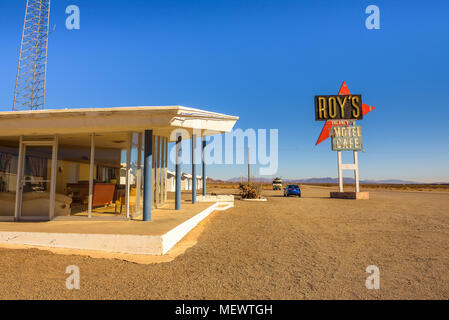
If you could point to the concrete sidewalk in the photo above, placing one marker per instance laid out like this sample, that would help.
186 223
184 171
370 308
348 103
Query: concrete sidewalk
157 237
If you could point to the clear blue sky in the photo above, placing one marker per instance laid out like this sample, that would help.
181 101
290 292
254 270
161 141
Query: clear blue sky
263 61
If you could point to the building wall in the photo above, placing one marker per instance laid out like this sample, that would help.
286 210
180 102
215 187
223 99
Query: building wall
64 172
85 172
185 185
170 183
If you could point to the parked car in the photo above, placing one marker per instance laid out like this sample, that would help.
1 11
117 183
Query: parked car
292 190
277 184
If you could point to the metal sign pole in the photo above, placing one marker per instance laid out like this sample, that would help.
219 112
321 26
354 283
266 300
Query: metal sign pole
356 172
340 172
249 167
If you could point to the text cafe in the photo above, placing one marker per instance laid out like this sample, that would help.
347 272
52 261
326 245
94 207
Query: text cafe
347 138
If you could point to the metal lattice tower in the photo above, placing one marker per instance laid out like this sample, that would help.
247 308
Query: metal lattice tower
29 93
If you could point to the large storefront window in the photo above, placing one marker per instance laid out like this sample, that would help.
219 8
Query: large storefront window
9 154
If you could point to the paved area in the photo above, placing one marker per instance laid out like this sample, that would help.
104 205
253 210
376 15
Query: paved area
286 248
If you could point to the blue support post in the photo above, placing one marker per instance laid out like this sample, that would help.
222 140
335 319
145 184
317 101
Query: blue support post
178 173
148 175
204 166
194 184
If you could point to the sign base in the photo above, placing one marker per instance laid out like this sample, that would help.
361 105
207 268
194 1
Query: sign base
350 195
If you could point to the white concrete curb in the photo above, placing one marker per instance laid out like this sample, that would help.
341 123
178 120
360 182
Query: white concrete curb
134 244
102 242
256 200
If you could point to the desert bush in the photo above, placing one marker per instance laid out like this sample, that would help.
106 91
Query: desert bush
250 191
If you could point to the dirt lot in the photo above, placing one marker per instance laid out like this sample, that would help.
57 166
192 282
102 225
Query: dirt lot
286 248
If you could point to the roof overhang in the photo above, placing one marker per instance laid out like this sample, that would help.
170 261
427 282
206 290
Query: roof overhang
162 120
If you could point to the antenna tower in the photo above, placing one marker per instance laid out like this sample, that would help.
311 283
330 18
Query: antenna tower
29 92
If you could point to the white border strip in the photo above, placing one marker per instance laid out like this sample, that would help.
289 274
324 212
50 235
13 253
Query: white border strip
175 235
101 242
122 243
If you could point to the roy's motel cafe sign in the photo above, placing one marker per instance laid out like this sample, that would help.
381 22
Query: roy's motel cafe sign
341 110
338 107
341 107
347 138
340 113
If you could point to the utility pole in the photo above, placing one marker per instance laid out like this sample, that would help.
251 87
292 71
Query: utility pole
249 169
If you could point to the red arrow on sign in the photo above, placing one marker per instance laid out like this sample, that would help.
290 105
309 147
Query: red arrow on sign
325 133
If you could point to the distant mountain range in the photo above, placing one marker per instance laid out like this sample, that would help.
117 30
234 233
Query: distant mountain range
327 180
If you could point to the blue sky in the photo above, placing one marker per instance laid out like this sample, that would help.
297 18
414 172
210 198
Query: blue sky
263 61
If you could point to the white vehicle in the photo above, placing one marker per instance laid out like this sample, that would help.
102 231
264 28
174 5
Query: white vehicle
277 184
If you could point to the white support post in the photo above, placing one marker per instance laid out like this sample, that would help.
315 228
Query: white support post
356 172
54 166
128 164
91 175
165 168
340 172
158 171
153 176
349 166
19 185
161 157
139 174
163 174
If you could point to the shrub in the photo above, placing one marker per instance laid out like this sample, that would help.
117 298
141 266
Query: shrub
250 191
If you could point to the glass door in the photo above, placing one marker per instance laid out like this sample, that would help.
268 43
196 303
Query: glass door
36 182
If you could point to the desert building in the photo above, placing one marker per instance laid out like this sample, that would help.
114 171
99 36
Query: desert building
186 181
72 162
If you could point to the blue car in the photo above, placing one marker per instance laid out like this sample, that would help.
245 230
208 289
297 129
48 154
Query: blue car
292 190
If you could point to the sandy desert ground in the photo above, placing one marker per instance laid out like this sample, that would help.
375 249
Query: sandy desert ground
286 248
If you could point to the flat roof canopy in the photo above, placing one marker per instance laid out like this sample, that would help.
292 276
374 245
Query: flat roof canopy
162 120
